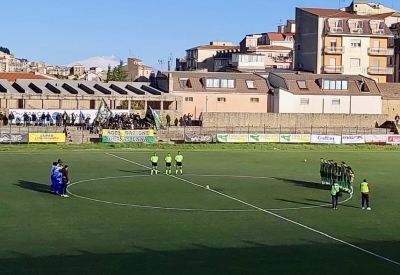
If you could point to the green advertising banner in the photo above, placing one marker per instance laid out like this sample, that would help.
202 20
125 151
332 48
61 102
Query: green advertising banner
127 136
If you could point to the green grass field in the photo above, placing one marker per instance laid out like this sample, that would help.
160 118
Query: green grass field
265 214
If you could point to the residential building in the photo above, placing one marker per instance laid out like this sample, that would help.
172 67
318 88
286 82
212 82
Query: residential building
324 94
395 28
390 99
290 27
338 42
200 58
137 71
78 70
216 91
279 57
180 64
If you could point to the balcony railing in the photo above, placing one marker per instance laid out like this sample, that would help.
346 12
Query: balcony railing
356 30
334 50
333 69
335 29
380 70
381 51
283 59
378 31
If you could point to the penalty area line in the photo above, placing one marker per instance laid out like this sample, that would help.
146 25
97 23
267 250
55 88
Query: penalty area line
270 213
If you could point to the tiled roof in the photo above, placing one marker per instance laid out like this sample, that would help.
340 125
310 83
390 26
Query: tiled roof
278 36
332 13
215 47
390 90
292 21
197 79
314 88
12 77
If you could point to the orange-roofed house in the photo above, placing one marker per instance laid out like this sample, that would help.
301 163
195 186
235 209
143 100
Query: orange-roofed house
339 42
12 77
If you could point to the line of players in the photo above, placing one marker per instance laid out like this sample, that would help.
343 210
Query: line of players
168 164
59 178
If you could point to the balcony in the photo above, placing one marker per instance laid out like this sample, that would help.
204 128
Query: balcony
335 30
333 69
282 59
334 50
378 31
356 30
380 70
381 51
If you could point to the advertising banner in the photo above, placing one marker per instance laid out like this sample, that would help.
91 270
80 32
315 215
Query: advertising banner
353 139
14 138
233 138
80 114
295 138
375 139
46 137
393 139
199 138
264 138
326 139
125 136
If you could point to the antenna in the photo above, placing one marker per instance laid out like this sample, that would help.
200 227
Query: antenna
170 58
161 62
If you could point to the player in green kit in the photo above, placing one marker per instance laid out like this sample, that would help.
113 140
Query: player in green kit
178 160
168 164
154 161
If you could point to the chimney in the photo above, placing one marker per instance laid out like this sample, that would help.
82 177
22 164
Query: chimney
170 83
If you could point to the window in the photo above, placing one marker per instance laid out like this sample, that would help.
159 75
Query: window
231 83
220 83
304 101
250 84
209 83
224 83
355 62
189 99
355 43
335 101
254 99
216 83
334 84
270 55
185 83
302 84
221 99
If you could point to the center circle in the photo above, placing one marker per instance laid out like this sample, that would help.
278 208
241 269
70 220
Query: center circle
184 193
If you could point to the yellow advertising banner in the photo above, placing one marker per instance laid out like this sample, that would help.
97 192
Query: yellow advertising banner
46 137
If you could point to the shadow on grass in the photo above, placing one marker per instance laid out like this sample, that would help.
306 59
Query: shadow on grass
307 184
326 202
252 257
298 202
34 186
141 172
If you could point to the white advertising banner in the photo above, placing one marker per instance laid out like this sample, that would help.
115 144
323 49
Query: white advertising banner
353 139
393 139
375 139
295 138
264 138
233 138
91 114
326 139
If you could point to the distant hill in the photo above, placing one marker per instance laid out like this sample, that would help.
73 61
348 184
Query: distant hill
98 61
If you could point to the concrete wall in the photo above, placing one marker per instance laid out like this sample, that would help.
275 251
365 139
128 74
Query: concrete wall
290 120
391 107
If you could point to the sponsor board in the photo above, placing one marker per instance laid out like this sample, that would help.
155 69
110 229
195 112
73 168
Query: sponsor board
14 138
326 139
199 138
264 138
80 114
46 137
393 139
353 139
126 136
375 139
295 138
234 138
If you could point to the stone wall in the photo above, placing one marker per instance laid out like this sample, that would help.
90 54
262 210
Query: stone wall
391 107
290 120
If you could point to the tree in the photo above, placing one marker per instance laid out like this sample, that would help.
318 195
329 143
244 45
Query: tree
118 73
4 50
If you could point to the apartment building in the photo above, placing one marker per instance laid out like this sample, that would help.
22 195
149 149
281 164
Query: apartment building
137 71
395 28
233 59
338 42
200 58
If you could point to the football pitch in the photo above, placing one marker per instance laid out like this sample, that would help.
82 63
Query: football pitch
265 213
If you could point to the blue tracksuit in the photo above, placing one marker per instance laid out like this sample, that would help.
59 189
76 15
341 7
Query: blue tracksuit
58 181
53 168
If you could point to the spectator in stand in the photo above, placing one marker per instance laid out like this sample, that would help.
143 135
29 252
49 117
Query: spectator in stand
189 119
25 119
201 119
168 117
396 118
11 118
43 119
34 119
1 119
64 118
48 119
73 117
176 122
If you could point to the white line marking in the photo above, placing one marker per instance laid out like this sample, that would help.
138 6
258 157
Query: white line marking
273 214
184 209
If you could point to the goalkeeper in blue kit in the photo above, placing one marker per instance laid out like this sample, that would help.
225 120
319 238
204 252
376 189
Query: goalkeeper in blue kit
178 161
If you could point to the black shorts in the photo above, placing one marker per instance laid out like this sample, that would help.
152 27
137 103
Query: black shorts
154 164
179 164
168 164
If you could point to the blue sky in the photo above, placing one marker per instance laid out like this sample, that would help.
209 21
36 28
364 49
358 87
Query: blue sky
61 32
